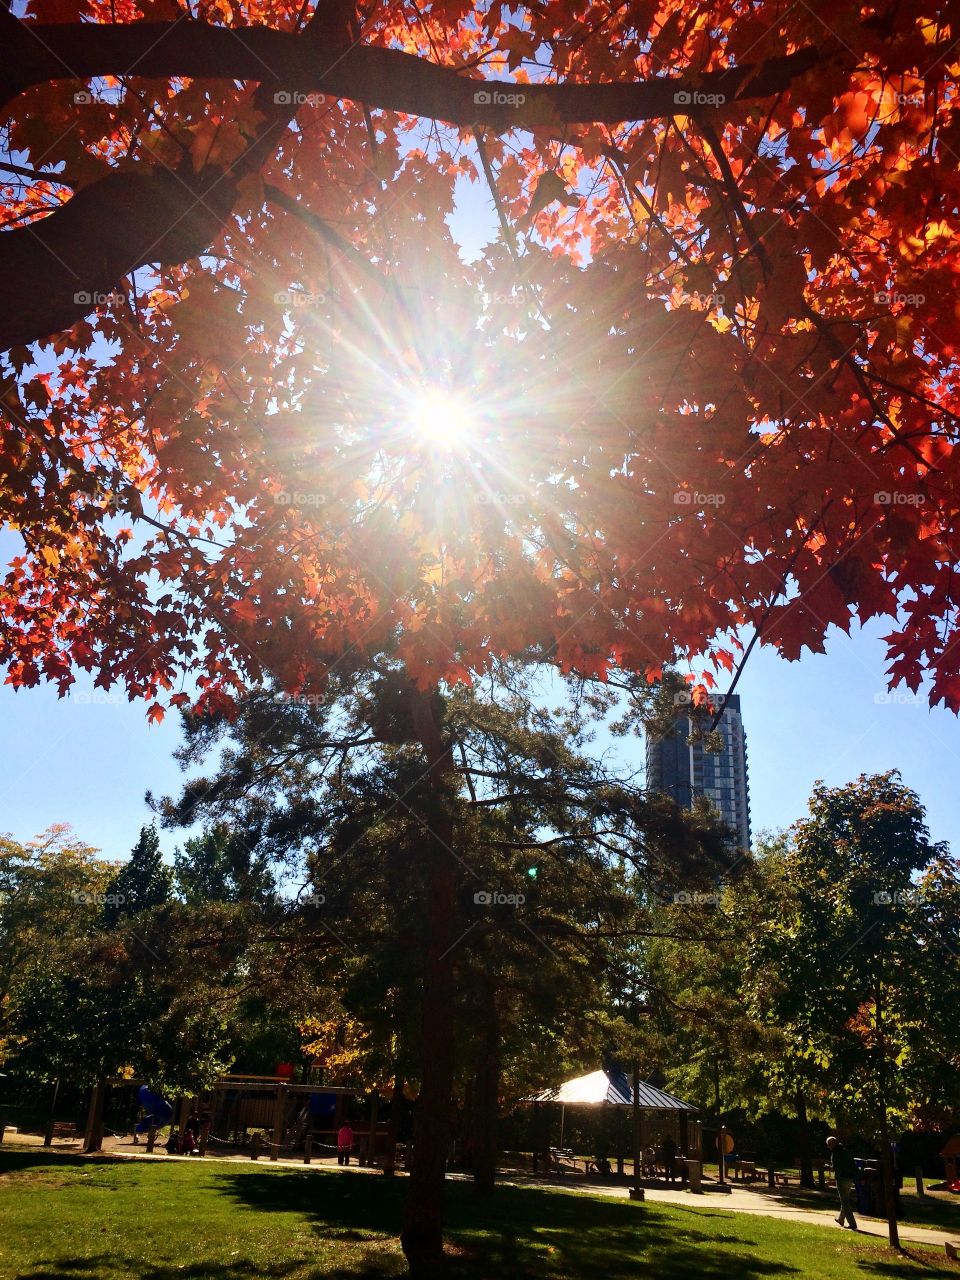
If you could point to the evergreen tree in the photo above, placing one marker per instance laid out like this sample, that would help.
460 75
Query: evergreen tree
143 882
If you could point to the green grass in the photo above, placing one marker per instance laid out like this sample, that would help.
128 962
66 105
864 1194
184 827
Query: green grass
66 1218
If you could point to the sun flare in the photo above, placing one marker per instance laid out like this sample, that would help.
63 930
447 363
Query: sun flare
441 419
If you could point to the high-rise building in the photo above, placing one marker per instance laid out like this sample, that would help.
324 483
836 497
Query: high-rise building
682 768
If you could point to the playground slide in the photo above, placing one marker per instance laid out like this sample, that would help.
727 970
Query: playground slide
158 1112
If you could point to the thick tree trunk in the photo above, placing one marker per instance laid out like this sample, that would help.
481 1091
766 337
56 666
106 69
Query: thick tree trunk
485 1111
803 1140
422 1233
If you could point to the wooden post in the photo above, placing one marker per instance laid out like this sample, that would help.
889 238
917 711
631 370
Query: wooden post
204 1136
636 1191
255 1145
93 1137
279 1114
722 1153
151 1139
307 1148
918 1171
48 1135
821 1177
371 1158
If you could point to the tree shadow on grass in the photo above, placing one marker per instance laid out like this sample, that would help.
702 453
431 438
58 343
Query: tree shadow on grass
515 1233
39 1158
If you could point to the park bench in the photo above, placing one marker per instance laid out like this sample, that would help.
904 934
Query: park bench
562 1160
773 1177
59 1129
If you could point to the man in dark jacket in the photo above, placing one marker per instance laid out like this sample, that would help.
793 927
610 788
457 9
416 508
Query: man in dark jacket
845 1172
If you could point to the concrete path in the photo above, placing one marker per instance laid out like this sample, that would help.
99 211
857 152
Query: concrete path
743 1200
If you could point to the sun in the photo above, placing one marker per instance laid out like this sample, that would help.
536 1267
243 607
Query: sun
441 419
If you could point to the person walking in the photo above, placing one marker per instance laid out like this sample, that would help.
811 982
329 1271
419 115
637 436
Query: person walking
344 1143
845 1172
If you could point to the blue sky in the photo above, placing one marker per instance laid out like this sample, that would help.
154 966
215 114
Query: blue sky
89 758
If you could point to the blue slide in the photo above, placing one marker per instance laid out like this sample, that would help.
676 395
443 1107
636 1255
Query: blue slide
158 1112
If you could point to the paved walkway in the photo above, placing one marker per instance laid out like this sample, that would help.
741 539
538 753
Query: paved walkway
743 1200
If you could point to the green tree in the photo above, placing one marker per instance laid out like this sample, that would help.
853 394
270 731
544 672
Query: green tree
143 882
219 866
855 958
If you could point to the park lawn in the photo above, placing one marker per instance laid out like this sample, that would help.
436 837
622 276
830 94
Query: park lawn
67 1218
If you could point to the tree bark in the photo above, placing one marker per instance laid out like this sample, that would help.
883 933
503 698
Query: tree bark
485 1112
422 1232
803 1140
886 1155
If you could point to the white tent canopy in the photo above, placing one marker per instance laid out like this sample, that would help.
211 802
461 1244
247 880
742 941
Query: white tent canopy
600 1088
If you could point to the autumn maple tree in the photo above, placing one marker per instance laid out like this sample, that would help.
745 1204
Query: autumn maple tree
702 383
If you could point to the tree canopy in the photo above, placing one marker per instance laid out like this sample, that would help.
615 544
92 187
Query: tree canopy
708 363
